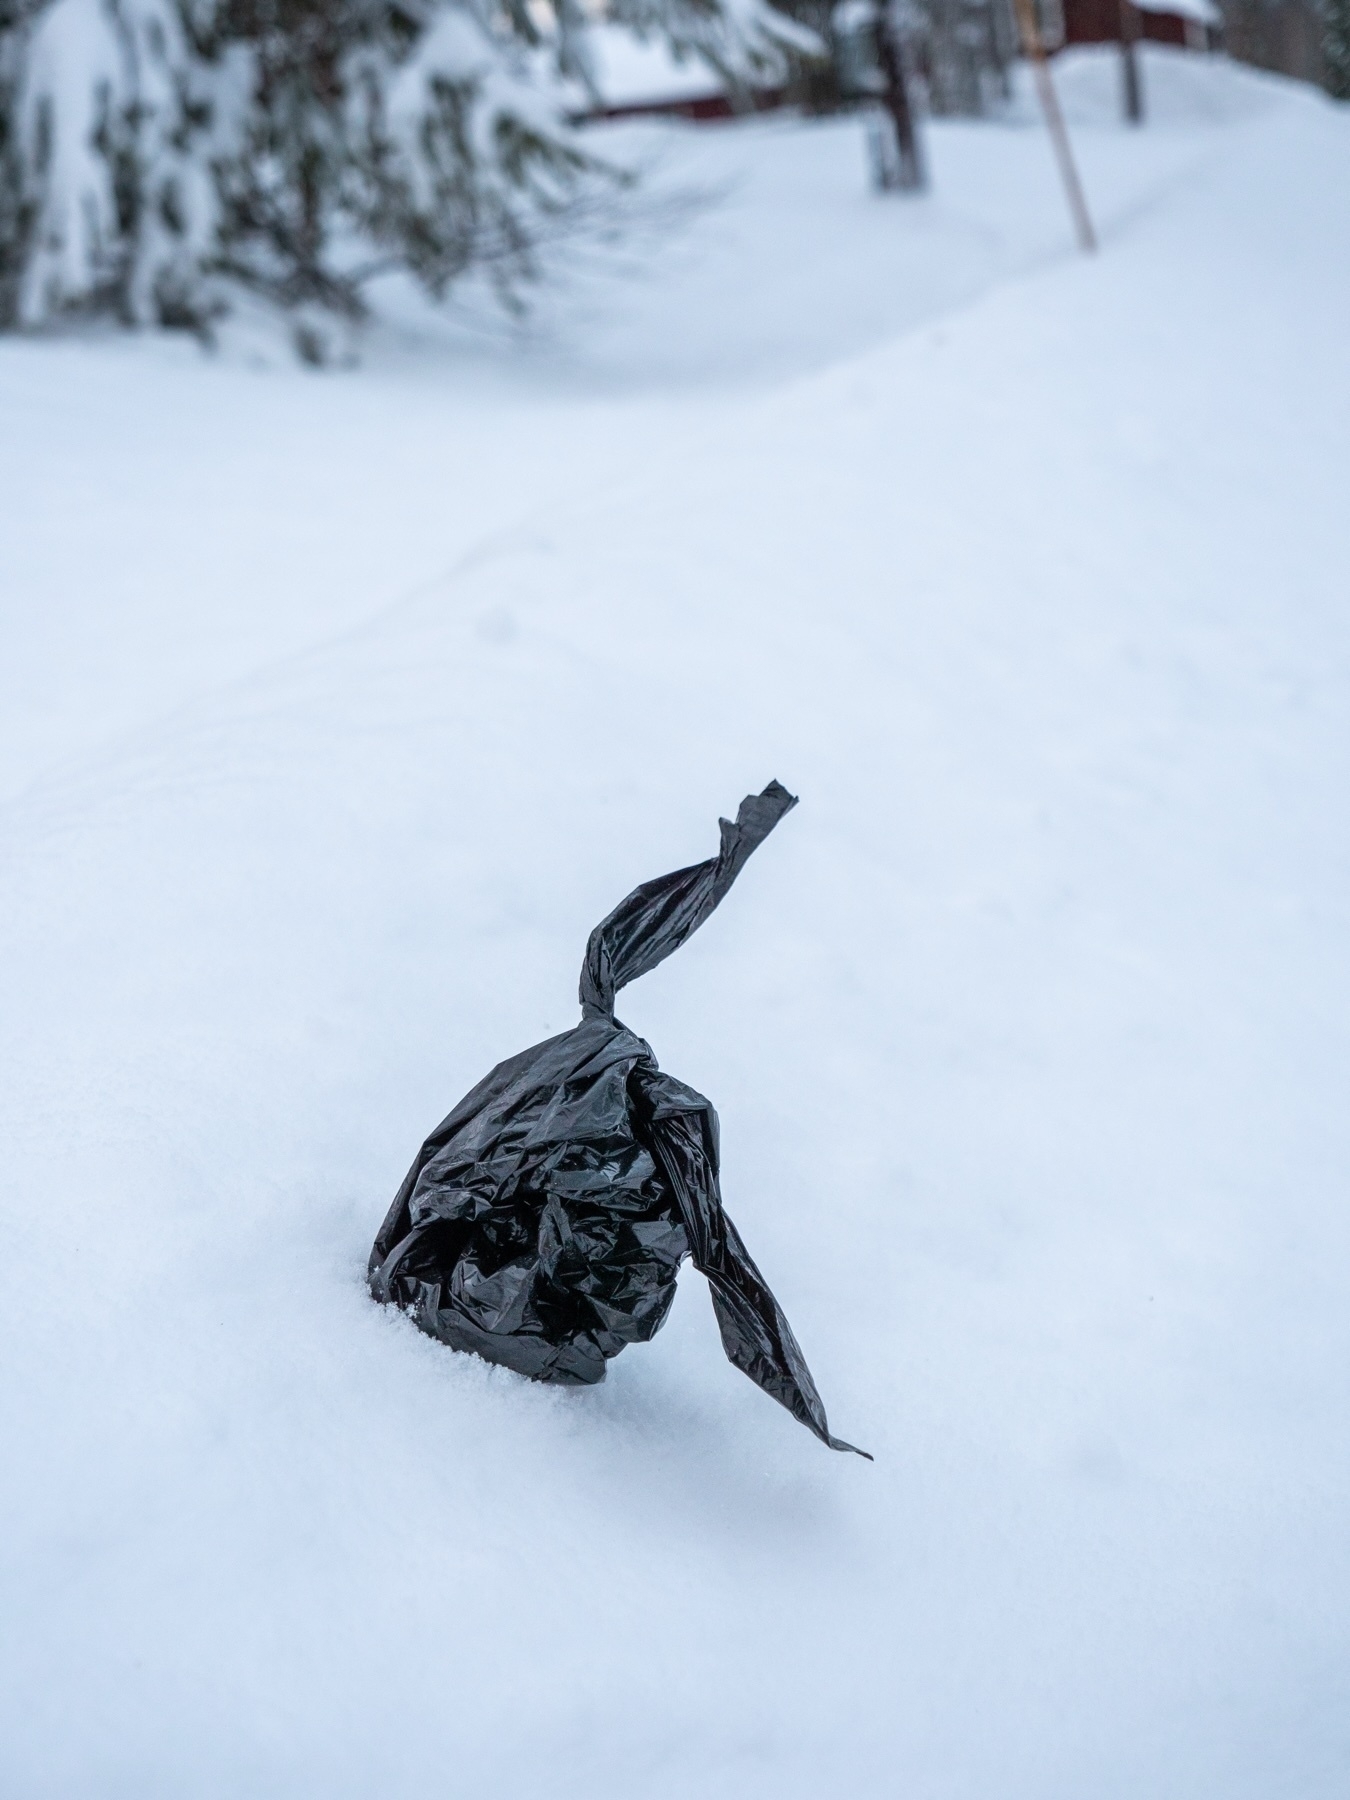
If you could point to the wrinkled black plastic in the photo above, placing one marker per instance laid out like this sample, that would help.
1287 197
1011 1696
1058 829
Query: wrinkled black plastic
543 1223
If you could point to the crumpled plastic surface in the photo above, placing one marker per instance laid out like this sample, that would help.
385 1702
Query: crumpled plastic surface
543 1223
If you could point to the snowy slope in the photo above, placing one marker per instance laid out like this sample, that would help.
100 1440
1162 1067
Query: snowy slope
225 514
338 710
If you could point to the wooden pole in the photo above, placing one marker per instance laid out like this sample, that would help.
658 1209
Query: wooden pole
1054 119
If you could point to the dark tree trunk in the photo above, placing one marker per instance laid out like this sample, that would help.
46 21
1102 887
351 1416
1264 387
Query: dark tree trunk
1132 90
905 171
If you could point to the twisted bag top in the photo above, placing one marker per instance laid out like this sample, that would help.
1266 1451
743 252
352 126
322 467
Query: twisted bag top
543 1223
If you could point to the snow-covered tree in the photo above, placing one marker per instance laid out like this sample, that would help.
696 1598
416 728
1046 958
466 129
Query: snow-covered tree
958 53
963 50
374 137
1336 47
158 157
738 38
17 201
96 170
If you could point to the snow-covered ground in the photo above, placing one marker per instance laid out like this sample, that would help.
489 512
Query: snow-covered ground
334 710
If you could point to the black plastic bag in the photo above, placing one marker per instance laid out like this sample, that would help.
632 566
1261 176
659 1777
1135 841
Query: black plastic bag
543 1223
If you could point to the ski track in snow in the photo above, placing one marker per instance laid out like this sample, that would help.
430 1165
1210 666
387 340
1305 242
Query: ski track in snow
335 711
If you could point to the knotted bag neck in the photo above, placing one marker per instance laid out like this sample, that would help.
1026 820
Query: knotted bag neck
657 917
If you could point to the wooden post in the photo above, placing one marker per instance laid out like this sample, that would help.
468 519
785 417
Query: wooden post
1054 119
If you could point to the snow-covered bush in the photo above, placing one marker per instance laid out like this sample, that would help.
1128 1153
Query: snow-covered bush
159 157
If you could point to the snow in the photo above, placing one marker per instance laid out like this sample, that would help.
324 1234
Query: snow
335 709
1204 12
631 73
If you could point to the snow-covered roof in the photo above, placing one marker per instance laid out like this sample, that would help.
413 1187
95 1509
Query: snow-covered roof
1204 12
633 74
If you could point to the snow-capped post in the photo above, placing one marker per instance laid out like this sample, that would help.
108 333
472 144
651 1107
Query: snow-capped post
1034 50
898 165
1132 91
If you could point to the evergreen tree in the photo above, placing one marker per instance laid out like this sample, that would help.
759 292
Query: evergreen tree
963 51
18 202
158 157
107 120
1336 47
738 38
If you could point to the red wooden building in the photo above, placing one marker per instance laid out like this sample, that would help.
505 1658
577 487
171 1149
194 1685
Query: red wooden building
1187 24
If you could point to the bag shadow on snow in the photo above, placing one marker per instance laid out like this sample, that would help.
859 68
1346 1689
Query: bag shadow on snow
543 1223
